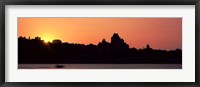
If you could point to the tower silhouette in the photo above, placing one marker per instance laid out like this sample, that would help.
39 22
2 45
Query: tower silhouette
117 42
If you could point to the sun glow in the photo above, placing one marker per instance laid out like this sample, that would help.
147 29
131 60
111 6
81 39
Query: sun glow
46 40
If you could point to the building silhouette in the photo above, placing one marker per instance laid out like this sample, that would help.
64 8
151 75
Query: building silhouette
118 43
57 41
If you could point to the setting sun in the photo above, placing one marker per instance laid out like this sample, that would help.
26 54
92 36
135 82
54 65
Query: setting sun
47 40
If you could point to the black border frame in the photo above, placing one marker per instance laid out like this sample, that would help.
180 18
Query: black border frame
98 2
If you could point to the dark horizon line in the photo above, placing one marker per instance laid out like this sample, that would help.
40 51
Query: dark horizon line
90 43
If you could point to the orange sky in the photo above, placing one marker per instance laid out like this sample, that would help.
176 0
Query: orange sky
160 33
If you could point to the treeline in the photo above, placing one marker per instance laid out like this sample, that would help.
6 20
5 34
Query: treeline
36 51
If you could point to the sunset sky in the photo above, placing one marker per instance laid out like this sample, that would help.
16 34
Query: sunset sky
160 33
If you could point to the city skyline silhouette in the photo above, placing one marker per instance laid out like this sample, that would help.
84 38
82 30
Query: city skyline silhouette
103 40
117 51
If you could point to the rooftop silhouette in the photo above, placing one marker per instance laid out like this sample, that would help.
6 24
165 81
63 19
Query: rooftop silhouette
35 51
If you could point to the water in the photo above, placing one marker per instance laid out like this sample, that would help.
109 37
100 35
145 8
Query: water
99 66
